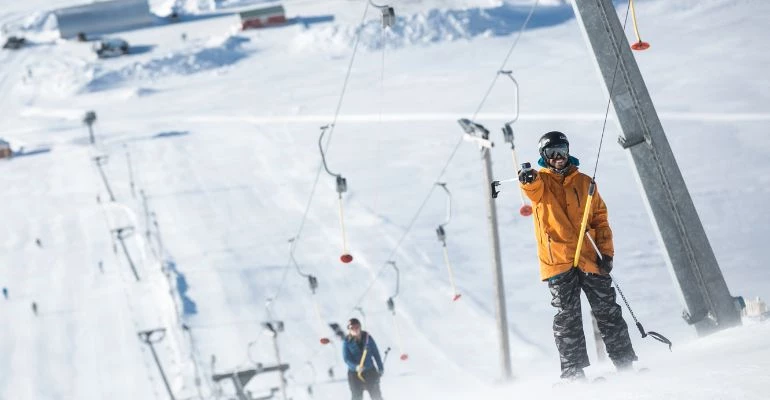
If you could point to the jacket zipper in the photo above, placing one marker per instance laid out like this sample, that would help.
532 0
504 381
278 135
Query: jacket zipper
550 253
577 196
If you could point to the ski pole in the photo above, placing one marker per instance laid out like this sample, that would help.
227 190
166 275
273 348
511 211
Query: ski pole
655 335
385 357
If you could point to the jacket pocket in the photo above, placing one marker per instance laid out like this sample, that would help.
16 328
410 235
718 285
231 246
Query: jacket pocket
577 196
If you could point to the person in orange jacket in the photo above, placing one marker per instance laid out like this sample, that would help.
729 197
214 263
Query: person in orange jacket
558 193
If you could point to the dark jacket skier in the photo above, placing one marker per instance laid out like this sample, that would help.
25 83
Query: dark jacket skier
558 193
364 363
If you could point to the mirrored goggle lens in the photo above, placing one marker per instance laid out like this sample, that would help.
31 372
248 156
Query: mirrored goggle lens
556 151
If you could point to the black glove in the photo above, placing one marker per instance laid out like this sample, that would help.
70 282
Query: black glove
527 175
605 264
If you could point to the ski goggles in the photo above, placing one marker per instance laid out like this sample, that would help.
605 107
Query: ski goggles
556 151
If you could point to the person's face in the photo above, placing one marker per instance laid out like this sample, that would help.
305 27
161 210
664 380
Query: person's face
355 330
557 156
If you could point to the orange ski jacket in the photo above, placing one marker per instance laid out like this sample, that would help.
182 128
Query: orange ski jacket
558 202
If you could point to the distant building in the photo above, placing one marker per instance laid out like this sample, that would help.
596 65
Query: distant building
5 149
94 19
263 17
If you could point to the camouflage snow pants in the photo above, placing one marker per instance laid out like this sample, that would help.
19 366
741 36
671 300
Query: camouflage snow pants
568 321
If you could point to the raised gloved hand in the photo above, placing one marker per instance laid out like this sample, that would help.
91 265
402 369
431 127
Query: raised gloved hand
527 175
359 368
605 264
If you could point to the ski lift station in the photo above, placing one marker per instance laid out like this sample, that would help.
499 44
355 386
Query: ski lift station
262 17
103 18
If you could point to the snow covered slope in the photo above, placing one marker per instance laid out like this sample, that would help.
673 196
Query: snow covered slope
222 131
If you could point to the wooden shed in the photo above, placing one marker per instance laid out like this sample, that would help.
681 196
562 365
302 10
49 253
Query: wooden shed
5 149
263 17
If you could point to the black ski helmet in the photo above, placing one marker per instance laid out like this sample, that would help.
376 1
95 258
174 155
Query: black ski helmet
551 139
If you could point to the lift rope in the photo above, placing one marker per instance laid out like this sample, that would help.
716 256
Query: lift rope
313 284
654 335
392 308
639 45
342 187
525 210
441 233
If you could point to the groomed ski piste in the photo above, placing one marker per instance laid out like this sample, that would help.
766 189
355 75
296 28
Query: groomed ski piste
222 129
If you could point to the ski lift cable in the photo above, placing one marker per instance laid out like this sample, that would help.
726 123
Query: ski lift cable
505 60
347 77
609 99
282 284
446 164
